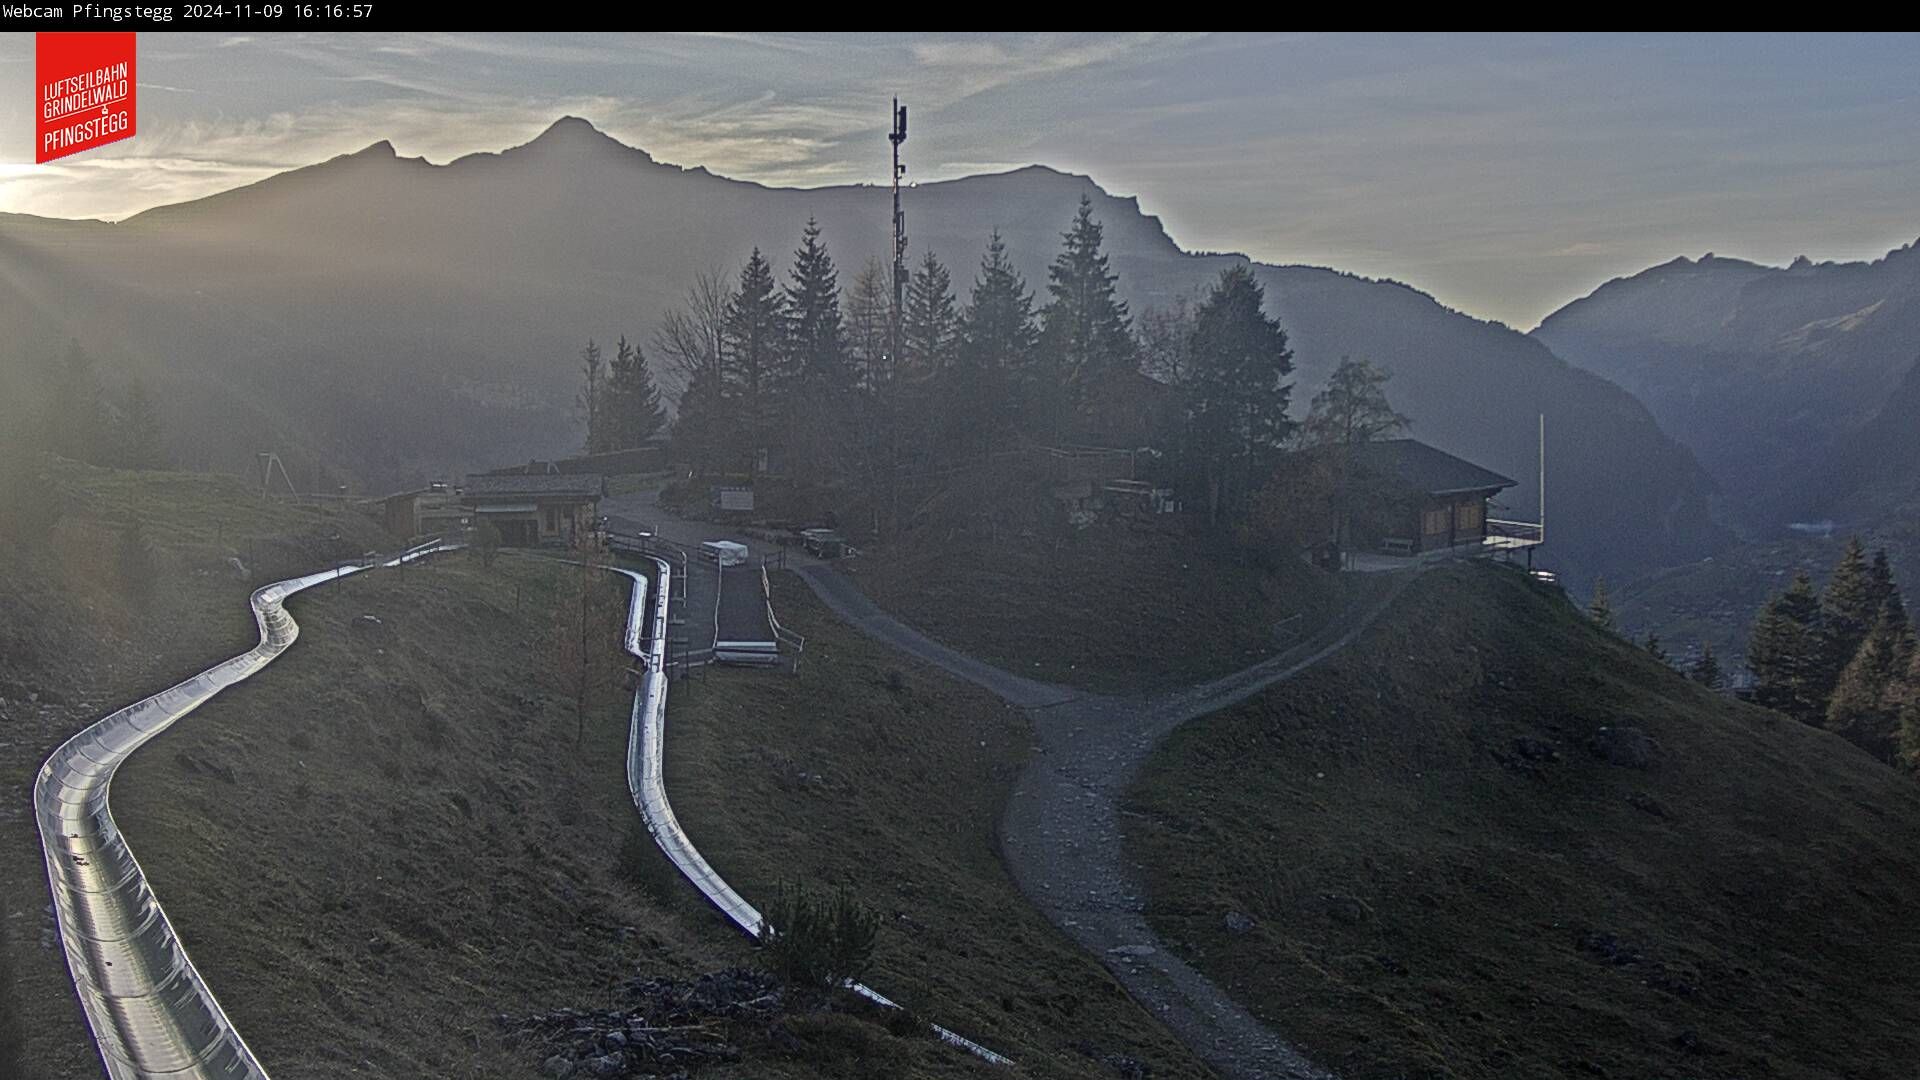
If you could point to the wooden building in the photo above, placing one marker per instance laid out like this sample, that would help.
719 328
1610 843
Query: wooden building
1421 498
550 509
432 510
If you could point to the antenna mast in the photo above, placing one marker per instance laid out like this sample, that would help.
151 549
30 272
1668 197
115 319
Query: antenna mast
898 136
1543 478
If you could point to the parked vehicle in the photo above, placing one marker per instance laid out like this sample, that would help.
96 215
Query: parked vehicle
724 553
824 543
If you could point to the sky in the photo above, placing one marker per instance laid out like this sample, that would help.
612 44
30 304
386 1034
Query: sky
1503 174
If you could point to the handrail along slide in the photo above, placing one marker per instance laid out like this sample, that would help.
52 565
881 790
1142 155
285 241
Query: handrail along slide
152 1014
646 779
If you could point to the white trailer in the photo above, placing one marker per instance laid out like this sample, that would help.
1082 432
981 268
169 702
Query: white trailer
724 553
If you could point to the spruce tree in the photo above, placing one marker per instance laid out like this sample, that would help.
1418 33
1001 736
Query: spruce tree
1240 390
755 344
1906 695
1886 592
1706 668
816 338
1864 708
1786 653
1086 330
1600 608
930 331
998 331
1654 648
1849 608
634 413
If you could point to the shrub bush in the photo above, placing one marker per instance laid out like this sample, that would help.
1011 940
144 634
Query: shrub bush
815 940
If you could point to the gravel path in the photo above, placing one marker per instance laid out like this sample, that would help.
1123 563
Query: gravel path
1061 834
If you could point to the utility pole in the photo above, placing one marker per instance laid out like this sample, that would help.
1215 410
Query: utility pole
898 136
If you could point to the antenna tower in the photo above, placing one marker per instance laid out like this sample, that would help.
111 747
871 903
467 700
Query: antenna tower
898 136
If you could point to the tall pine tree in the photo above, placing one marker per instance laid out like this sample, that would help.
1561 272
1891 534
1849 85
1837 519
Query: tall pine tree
930 330
817 410
755 346
633 413
1849 608
998 331
1864 708
1706 668
1600 608
1787 652
998 336
1240 390
1086 333
1906 694
816 338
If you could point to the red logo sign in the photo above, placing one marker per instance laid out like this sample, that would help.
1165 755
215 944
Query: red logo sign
86 92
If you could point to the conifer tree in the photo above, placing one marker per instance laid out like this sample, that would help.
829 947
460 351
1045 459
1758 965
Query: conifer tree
1600 608
633 411
1086 330
1786 653
817 377
930 330
1886 592
1906 695
1849 608
1706 668
1240 390
994 354
755 345
816 339
998 331
1865 706
1654 648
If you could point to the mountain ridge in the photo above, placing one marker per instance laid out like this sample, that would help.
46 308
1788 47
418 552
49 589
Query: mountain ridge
394 320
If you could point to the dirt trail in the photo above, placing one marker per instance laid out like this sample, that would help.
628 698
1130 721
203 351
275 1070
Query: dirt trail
1061 833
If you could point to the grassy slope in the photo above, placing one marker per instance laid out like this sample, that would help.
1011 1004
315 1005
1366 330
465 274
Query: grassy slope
72 649
834 777
1109 608
1764 912
387 838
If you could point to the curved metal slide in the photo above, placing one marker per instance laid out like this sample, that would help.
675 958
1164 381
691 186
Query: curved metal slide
152 1015
646 780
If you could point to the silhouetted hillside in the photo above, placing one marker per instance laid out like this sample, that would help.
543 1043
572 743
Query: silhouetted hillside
391 319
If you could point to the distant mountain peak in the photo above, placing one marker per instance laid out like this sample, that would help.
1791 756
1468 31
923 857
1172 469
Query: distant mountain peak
575 134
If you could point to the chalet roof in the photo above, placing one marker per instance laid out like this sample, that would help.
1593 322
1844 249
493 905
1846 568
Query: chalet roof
1416 465
575 485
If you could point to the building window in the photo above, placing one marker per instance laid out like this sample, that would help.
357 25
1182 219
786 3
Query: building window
1434 522
1470 516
